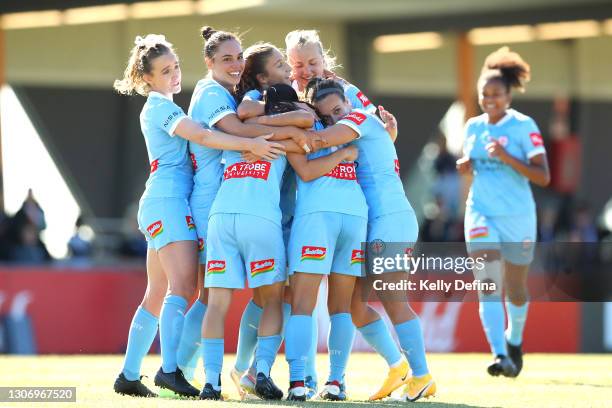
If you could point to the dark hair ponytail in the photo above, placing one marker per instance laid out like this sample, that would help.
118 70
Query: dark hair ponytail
317 89
213 39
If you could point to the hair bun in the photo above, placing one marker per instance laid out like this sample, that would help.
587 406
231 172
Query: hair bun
207 32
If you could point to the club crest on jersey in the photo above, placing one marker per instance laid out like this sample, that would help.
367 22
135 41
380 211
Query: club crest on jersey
190 223
313 253
503 140
200 244
357 256
355 117
154 165
194 162
536 139
263 266
258 169
479 232
343 171
155 229
364 99
215 267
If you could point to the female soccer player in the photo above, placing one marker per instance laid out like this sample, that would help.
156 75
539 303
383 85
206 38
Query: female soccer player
503 149
246 204
164 216
390 219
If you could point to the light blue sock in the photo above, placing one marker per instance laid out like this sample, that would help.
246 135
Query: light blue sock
171 326
379 338
286 316
187 354
142 334
517 316
299 329
339 344
247 336
267 347
212 353
311 361
493 318
410 336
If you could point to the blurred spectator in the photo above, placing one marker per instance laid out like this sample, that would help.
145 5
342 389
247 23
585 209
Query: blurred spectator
548 224
31 212
133 243
80 245
583 227
448 182
29 248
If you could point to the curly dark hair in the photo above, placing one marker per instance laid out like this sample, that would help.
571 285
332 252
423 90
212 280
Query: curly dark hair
507 66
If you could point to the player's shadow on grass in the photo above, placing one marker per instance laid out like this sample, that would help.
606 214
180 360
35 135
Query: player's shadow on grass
431 403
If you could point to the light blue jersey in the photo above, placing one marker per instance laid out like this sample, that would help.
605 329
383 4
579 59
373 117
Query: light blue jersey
250 188
378 166
253 95
171 174
498 189
358 99
210 103
336 191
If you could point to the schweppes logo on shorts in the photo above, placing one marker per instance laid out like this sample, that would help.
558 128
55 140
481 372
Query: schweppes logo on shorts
364 99
479 232
154 165
215 267
313 253
263 266
357 257
200 244
258 169
397 167
155 229
190 223
355 117
343 171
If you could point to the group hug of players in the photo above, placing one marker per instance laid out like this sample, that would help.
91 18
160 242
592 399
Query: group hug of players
275 176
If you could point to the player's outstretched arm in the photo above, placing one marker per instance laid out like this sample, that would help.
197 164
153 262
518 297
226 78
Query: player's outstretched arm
335 135
298 118
260 146
309 170
250 109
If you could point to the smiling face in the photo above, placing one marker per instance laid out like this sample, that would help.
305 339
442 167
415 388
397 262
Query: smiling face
165 75
494 98
227 64
332 108
277 71
307 62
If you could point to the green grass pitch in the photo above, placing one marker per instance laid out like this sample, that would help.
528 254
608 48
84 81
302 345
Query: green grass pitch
547 380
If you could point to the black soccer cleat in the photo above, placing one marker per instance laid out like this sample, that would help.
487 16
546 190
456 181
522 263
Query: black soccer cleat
176 383
516 355
266 389
133 388
502 365
209 393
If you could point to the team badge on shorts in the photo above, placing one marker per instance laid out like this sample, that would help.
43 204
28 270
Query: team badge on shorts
377 246
313 253
263 266
190 223
479 232
215 267
155 229
357 257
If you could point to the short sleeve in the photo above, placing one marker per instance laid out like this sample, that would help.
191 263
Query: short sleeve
166 115
355 120
212 105
252 95
358 99
531 139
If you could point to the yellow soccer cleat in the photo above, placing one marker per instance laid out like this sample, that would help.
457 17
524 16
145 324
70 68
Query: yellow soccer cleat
396 377
419 387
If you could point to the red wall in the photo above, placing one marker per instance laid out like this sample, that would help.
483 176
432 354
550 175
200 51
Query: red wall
89 311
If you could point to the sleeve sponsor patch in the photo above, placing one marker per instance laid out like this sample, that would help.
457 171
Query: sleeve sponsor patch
397 167
356 117
364 99
172 116
154 165
536 139
259 169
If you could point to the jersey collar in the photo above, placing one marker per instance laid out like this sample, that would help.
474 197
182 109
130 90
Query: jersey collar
503 120
158 95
